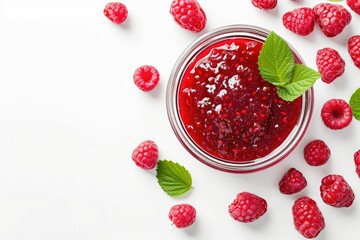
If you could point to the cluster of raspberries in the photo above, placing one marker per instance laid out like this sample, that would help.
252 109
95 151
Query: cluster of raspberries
331 18
248 207
335 113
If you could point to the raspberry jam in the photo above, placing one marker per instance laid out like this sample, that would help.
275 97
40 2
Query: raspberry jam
222 111
228 109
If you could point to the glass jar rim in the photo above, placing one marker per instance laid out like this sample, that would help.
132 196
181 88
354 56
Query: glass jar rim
281 152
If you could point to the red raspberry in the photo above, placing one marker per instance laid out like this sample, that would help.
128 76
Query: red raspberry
182 215
331 18
146 154
116 12
264 4
188 14
292 182
247 207
336 114
354 49
330 64
316 153
300 21
146 78
357 162
308 219
354 5
336 192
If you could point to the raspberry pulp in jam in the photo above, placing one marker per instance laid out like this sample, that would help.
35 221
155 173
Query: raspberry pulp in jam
226 107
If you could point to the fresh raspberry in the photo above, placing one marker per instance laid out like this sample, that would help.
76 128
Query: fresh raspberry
308 219
145 155
354 5
336 192
354 49
316 153
331 18
264 4
188 14
336 114
116 12
146 77
247 207
330 64
182 215
292 182
300 21
357 161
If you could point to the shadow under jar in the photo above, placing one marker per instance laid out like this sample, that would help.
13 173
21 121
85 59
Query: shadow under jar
223 112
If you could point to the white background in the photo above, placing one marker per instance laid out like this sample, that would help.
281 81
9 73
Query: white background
70 116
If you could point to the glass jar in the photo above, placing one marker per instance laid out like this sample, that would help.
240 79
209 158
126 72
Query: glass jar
172 103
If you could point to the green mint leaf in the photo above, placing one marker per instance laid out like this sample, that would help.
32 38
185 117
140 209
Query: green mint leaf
335 0
276 60
303 78
173 178
355 104
276 65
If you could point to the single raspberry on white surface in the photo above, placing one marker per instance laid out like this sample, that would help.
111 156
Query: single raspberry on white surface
146 154
182 215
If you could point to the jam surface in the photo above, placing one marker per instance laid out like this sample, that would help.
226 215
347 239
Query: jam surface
227 109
